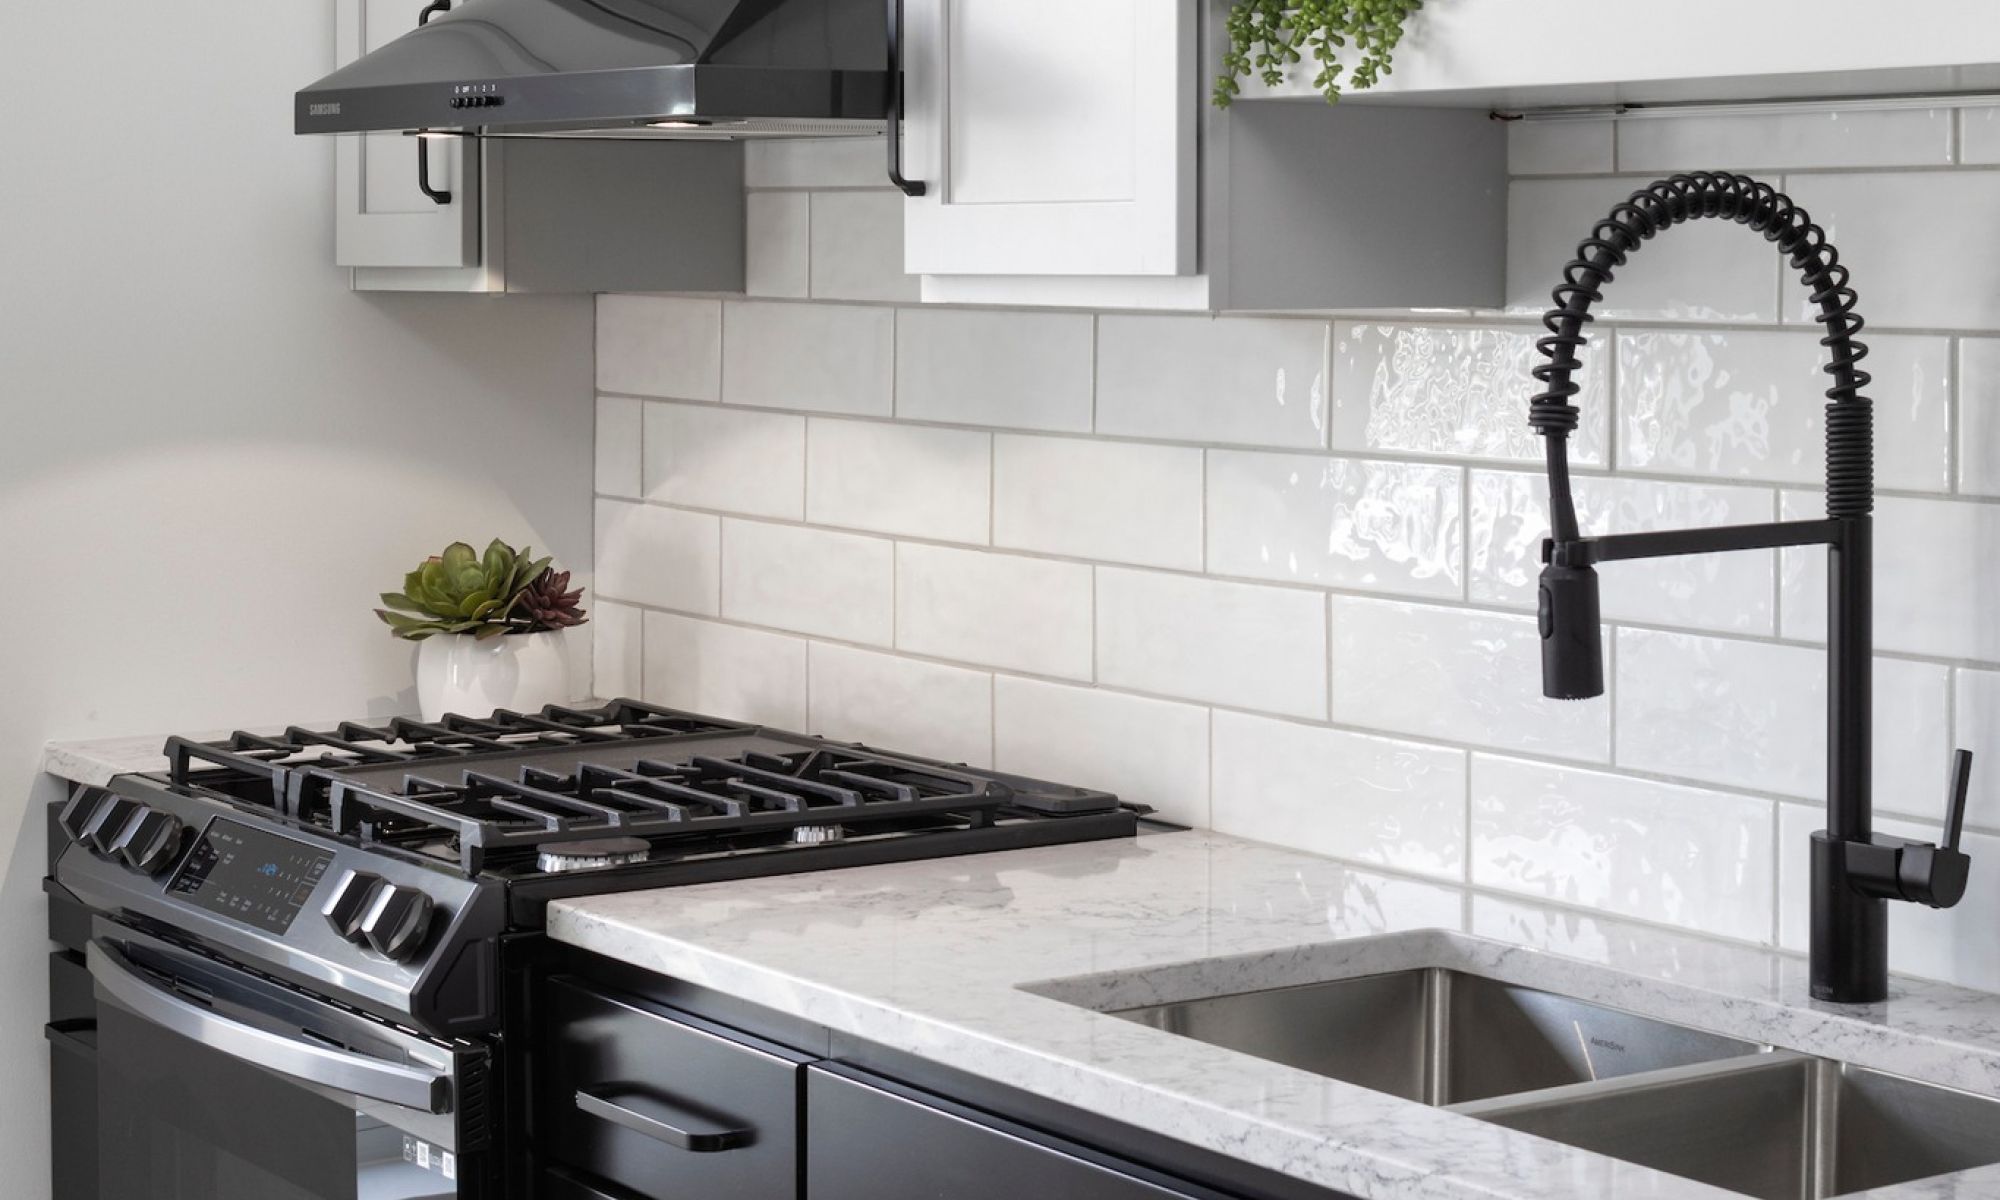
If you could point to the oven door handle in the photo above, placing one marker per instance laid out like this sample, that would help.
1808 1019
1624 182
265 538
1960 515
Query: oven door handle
342 1070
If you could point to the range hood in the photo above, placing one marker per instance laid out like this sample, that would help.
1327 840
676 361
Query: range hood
619 68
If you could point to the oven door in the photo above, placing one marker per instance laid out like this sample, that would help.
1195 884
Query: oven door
216 1084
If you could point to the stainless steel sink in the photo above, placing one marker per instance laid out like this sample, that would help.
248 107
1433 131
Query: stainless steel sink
1438 1036
1783 1127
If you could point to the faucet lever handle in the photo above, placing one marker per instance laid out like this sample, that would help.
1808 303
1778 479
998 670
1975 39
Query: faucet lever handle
1954 797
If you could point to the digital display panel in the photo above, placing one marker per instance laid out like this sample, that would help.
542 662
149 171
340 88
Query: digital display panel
250 875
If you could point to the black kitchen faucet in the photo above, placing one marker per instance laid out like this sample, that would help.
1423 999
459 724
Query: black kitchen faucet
1855 872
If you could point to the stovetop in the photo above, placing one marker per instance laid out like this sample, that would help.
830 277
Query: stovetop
382 864
495 795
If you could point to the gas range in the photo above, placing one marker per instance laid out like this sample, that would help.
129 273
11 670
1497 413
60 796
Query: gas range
379 865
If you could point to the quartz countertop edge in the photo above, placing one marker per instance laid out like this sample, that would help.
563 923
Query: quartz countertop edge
999 965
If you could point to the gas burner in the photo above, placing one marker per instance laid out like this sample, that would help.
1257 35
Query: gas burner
818 835
557 857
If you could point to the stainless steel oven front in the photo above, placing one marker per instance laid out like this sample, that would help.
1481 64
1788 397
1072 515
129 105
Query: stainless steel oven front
218 1083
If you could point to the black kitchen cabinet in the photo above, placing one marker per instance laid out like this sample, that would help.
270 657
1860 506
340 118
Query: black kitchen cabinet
762 1105
873 1139
662 1104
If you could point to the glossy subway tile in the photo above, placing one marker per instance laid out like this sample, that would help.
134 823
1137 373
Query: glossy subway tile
1151 752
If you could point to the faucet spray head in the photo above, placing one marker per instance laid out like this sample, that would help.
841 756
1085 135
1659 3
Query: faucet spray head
1572 638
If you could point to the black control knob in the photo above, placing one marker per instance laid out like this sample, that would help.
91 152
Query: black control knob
399 921
349 901
75 816
107 824
150 841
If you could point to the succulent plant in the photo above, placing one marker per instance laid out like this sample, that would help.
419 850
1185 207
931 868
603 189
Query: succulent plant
548 603
463 591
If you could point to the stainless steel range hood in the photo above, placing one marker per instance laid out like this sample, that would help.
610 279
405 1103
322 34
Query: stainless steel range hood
666 68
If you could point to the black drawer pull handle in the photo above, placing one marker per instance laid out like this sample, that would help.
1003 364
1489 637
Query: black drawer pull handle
664 1122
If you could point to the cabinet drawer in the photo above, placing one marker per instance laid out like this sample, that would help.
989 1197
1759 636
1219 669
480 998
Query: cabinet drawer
664 1104
876 1140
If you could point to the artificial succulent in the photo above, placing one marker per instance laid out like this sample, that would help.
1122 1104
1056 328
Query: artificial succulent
549 603
463 591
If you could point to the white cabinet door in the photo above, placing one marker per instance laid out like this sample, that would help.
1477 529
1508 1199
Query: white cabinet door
382 217
1055 137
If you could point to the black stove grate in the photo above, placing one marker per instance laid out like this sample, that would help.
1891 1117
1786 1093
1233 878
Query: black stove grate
271 763
483 814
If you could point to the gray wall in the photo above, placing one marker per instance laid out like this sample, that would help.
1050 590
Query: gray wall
212 455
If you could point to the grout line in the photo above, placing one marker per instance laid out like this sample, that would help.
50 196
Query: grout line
1525 465
1522 611
1954 415
1475 749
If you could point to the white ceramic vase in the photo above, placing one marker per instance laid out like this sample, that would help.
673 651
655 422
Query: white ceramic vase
458 673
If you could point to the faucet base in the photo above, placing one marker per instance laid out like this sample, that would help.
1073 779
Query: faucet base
1850 931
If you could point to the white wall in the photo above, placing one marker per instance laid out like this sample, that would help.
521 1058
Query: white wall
213 456
1276 575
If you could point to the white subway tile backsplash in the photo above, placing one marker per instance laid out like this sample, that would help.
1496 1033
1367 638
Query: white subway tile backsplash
1203 639
1011 370
1675 855
857 247
1343 522
810 357
1703 271
1978 709
1978 416
701 456
1559 147
1752 404
1937 571
726 670
659 346
616 660
658 556
898 703
1452 390
1367 799
1110 501
837 585
1232 380
1456 675
998 610
1753 715
1895 232
1955 944
777 244
906 479
812 163
1728 592
1121 530
1152 752
618 446
1910 137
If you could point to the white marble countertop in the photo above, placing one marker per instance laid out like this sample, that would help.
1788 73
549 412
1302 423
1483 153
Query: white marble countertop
961 961
993 964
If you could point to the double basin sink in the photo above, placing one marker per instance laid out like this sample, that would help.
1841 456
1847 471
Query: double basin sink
1735 1114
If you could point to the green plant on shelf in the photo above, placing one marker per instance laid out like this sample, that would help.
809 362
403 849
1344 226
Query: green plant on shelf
1267 37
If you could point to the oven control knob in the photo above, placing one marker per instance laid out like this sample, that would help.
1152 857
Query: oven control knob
108 822
150 841
398 922
349 902
76 815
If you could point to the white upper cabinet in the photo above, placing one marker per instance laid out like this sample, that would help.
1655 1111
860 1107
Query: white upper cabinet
1070 157
383 216
1054 137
